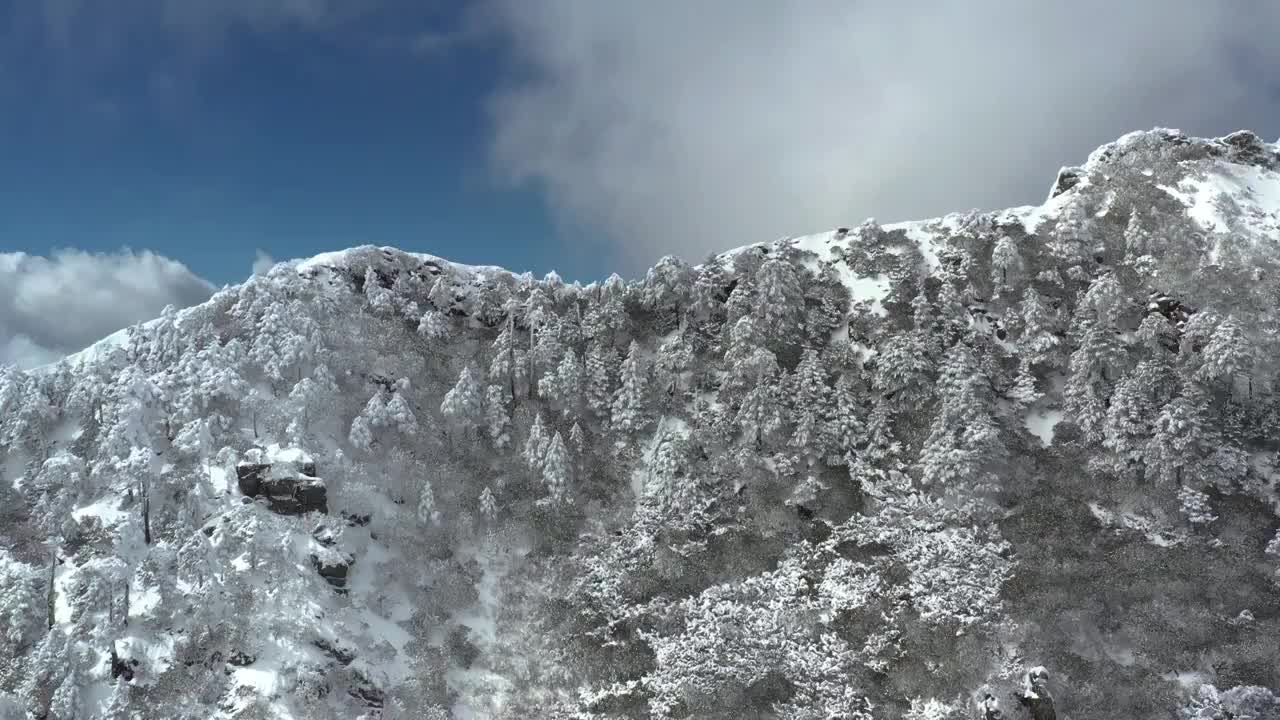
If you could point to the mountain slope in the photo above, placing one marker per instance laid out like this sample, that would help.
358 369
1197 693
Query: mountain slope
877 472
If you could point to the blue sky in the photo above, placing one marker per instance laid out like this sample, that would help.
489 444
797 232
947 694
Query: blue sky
292 141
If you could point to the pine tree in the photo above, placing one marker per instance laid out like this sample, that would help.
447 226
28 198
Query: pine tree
780 305
667 286
903 371
399 414
1039 334
845 429
1227 356
488 504
361 434
630 413
441 295
740 303
503 367
707 302
497 419
1024 390
1127 430
464 405
760 414
964 438
426 511
1179 438
810 403
555 469
535 444
379 298
564 386
1006 263
435 326
674 358
1093 365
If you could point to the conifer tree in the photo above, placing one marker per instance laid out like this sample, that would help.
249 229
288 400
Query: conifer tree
555 469
630 412
1006 263
810 403
464 405
497 419
535 444
600 374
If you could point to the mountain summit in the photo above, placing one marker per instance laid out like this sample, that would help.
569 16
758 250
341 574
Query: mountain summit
1018 462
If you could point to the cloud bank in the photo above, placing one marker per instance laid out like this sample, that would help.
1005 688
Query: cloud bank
53 306
691 127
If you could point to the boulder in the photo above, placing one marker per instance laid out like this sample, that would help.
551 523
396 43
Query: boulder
333 567
285 478
1068 177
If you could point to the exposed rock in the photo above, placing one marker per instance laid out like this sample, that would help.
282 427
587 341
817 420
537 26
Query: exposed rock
366 691
333 567
356 519
342 656
240 659
326 535
121 668
1068 177
287 482
1247 148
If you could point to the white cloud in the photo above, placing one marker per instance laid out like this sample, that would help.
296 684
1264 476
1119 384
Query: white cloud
53 306
262 263
689 127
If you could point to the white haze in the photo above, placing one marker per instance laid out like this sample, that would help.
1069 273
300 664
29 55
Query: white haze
672 127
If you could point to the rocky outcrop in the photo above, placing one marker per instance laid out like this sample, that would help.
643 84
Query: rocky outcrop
334 567
1068 177
286 481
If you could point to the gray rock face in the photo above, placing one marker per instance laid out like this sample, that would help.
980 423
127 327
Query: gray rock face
1068 177
288 489
333 570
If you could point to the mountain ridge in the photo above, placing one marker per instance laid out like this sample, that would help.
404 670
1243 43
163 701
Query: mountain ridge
875 472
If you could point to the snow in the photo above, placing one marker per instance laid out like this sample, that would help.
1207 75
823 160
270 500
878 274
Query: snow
871 290
106 509
479 688
1255 190
277 454
63 576
1040 422
1189 679
1150 528
923 238
357 257
380 604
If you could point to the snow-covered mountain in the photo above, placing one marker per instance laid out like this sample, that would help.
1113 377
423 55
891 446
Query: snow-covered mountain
877 472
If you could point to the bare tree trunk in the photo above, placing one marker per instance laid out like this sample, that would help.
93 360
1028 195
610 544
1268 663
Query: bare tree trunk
145 488
53 587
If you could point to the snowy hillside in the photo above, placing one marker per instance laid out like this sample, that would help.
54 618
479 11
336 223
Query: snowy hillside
877 472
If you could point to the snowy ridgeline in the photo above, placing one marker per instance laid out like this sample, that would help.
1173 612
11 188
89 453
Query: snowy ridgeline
1012 459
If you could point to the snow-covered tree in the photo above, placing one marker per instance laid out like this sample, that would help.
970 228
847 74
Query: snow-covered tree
464 405
630 406
780 302
600 375
555 469
1006 263
380 299
1227 356
535 444
497 418
810 404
